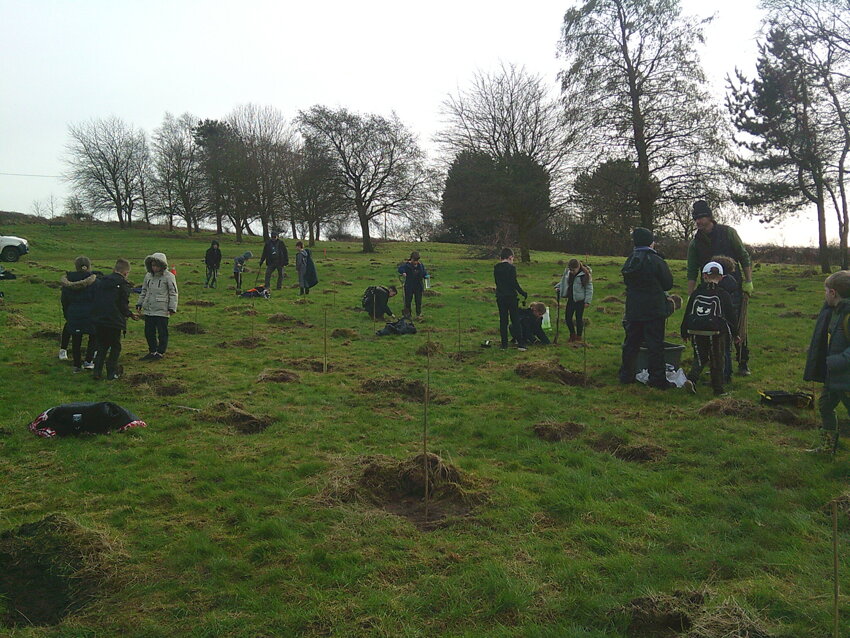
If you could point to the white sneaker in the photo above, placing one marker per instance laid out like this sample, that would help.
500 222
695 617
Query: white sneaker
522 348
88 365
63 355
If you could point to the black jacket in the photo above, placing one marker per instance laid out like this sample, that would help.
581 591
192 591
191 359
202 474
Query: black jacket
724 300
77 299
212 258
531 326
381 302
647 278
828 360
111 302
275 254
506 284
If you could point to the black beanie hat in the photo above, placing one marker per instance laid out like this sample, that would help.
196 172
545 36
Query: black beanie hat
642 237
701 209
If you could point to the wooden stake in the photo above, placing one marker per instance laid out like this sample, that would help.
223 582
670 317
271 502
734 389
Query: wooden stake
425 421
252 318
835 568
325 362
458 331
584 343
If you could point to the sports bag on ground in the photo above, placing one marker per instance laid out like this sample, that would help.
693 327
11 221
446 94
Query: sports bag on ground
401 327
78 418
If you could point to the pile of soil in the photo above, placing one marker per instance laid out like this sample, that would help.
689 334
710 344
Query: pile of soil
430 292
398 487
200 302
429 349
469 281
749 410
52 568
302 301
281 319
277 376
464 355
190 328
341 282
791 314
345 333
551 371
605 310
408 388
172 389
33 280
616 447
728 619
46 334
144 378
662 615
234 414
554 432
612 299
306 363
245 342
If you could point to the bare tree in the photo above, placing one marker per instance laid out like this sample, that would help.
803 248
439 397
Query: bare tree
633 82
178 177
106 160
379 165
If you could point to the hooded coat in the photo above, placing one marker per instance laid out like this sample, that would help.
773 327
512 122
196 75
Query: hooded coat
77 299
828 361
159 290
647 278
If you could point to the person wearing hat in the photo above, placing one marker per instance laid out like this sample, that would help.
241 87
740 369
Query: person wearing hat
212 259
647 278
710 322
275 257
713 239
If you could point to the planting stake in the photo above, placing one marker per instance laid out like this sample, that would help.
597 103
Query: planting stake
425 420
835 567
558 317
325 362
458 331
252 318
584 343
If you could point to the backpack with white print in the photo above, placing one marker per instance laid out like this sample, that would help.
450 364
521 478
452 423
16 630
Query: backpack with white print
706 313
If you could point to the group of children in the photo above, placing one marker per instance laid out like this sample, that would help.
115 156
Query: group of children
275 256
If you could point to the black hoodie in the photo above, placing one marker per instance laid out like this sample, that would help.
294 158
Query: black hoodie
111 305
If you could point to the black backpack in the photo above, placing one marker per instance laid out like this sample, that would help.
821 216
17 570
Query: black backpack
401 327
78 418
368 298
706 313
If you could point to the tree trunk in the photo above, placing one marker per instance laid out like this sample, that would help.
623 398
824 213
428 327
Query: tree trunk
367 239
318 234
823 246
294 231
311 241
218 227
524 252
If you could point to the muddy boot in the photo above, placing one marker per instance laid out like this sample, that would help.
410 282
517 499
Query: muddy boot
572 338
579 339
826 444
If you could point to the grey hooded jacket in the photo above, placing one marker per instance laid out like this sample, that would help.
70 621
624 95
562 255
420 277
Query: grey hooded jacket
159 290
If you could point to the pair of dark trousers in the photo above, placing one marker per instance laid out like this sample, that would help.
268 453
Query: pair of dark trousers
575 308
66 337
827 403
77 348
509 308
212 277
269 270
412 295
651 334
711 350
156 333
108 350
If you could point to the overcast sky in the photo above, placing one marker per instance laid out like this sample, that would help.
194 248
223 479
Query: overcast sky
65 62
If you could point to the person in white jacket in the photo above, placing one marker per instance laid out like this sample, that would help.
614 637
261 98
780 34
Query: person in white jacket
576 286
157 302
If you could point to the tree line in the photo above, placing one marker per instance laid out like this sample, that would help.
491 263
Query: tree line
630 136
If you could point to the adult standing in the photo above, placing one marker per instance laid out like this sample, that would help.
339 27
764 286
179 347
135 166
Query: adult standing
647 278
275 257
212 259
507 289
713 240
306 269
414 273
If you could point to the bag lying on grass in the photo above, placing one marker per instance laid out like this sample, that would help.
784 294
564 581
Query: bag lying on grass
674 375
780 397
259 292
401 327
76 418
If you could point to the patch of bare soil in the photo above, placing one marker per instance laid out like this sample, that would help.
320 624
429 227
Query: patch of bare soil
246 342
464 355
171 389
728 620
429 349
308 363
749 410
430 292
341 282
203 303
412 389
284 319
616 447
399 487
234 414
144 378
52 568
612 299
344 333
277 376
190 328
791 288
302 301
469 281
552 371
46 334
662 615
554 432
791 314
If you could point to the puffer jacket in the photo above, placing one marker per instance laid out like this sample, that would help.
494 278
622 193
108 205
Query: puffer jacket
647 278
828 360
77 299
582 285
159 290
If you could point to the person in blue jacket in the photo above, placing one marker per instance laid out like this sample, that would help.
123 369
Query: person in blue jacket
415 275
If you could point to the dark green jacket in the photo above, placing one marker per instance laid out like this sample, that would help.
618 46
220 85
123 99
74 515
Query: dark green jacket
723 240
647 279
828 361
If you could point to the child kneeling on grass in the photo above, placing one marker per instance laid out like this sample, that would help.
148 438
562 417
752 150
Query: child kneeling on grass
531 324
828 361
157 302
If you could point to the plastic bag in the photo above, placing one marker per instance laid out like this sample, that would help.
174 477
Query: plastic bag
547 320
675 375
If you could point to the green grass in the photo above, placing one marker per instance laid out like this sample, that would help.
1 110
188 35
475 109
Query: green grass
229 535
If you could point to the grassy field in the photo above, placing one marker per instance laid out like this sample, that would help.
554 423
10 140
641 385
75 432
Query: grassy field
648 519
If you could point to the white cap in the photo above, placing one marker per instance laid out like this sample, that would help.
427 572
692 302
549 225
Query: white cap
713 265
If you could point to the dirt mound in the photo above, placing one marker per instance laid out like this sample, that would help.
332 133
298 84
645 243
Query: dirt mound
199 302
469 281
662 615
284 319
551 371
245 342
408 388
430 292
398 487
52 568
616 447
429 349
554 432
344 333
302 301
277 376
727 620
143 378
46 334
791 314
190 328
307 363
172 389
612 299
234 414
743 409
341 282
